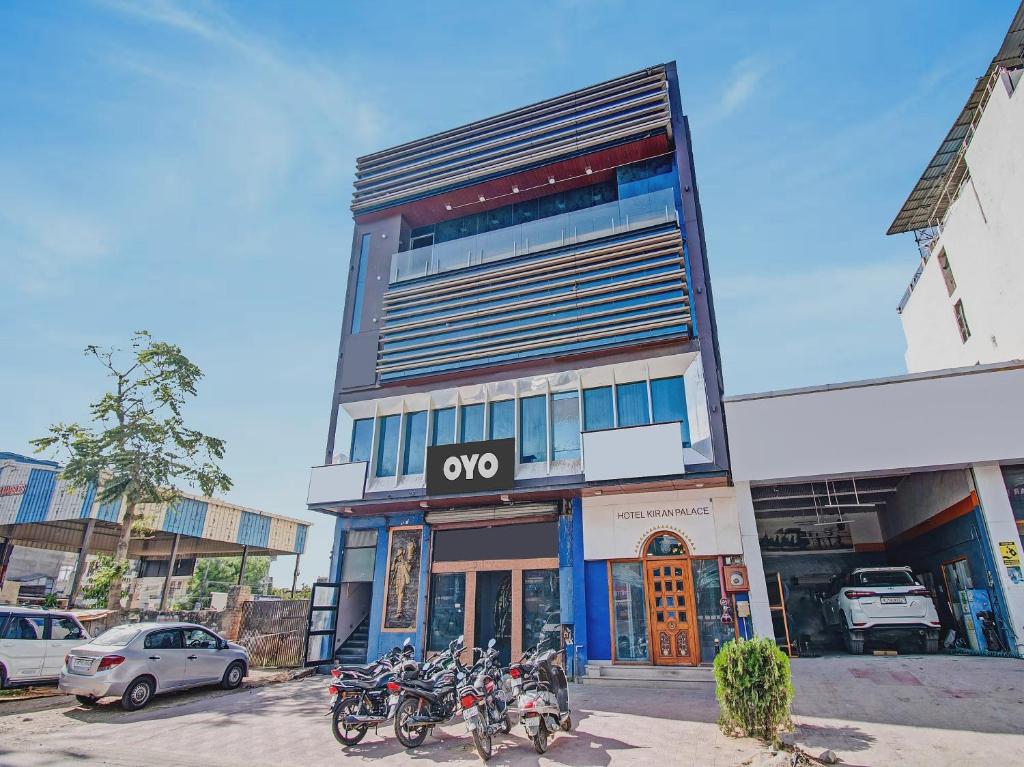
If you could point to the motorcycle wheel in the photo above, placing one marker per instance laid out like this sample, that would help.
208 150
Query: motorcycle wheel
346 734
566 724
410 737
540 740
506 724
482 741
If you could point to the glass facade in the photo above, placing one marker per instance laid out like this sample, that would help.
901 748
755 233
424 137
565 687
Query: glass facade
668 402
533 429
631 403
447 609
565 426
361 267
503 419
362 440
541 616
415 442
442 431
598 409
629 616
707 590
471 426
387 445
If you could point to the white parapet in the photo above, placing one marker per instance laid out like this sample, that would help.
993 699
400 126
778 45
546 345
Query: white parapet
336 483
629 453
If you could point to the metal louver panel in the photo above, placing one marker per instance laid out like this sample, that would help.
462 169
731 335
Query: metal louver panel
491 513
616 111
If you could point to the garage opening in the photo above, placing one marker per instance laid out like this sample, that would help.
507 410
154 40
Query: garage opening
897 563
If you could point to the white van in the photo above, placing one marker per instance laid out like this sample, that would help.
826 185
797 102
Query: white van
33 644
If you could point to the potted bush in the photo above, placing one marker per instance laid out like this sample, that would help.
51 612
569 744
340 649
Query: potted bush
754 687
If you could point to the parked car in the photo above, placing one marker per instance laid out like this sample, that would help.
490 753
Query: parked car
136 661
877 601
33 644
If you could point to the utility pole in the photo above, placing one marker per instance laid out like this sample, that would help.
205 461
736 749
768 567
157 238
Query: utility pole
295 575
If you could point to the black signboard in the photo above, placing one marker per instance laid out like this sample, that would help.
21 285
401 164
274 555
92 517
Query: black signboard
472 467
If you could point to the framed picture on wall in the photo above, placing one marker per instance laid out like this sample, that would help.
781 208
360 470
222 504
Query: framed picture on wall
402 584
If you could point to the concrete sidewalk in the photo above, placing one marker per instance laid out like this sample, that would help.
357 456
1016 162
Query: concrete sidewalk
929 710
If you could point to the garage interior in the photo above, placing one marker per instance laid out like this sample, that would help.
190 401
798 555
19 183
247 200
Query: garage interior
812 532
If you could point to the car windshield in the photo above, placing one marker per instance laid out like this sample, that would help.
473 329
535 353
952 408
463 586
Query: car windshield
885 578
118 636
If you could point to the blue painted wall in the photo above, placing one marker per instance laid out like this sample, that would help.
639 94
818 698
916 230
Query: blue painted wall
299 546
110 511
579 585
253 530
188 517
599 636
90 496
36 500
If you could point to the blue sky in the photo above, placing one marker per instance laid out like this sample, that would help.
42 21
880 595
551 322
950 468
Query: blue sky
186 168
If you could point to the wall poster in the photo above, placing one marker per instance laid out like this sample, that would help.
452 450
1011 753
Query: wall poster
402 586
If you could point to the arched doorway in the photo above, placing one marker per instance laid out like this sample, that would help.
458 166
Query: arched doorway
670 601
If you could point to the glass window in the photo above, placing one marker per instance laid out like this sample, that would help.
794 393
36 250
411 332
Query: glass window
118 636
668 401
358 558
665 546
65 628
503 419
200 639
533 429
565 425
362 439
415 442
25 627
447 609
443 431
471 426
597 408
629 618
632 404
387 445
707 591
961 321
541 616
357 297
166 639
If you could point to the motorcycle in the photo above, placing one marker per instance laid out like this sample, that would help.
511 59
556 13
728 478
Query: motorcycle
482 698
365 696
427 694
542 695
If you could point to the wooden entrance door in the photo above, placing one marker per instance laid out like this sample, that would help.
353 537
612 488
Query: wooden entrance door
670 612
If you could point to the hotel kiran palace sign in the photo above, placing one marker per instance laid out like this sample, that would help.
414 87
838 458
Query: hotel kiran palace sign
616 526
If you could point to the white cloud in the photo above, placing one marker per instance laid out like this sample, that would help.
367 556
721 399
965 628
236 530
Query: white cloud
746 75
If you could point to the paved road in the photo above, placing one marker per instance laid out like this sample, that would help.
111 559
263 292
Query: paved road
284 724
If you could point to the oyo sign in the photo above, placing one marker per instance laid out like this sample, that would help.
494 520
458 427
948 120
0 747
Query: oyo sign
472 467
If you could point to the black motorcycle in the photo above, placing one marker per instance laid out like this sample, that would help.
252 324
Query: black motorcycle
484 707
427 693
365 696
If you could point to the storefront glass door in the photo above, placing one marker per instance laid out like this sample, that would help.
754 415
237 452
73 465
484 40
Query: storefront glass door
670 610
629 613
447 609
494 611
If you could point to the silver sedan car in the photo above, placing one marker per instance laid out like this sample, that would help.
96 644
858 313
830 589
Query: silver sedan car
136 661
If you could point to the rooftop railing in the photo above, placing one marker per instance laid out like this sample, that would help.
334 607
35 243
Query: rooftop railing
617 217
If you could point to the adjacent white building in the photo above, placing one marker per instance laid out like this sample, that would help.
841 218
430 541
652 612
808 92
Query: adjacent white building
963 305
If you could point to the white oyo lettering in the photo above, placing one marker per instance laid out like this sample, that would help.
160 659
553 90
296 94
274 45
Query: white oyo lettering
452 467
469 461
488 465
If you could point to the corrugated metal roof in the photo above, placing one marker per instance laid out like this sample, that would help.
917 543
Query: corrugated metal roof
926 202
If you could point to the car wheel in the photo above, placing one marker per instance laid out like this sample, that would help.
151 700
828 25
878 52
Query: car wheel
87 700
233 676
3 677
931 642
137 695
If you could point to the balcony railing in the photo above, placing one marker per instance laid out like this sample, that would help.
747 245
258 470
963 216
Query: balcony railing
617 217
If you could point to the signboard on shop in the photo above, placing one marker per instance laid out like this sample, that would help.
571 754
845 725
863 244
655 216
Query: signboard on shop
471 467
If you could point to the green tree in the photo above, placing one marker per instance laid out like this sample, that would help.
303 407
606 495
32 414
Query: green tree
218 573
104 574
138 447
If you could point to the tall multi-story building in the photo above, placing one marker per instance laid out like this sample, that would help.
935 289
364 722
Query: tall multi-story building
526 433
963 304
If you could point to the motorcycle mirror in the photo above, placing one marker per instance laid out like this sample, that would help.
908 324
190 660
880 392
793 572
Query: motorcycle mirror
460 639
491 644
407 642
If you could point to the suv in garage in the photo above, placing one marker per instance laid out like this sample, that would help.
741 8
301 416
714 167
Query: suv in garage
881 601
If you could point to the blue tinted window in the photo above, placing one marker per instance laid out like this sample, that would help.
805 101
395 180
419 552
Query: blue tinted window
362 439
565 425
503 419
387 445
357 298
471 428
597 408
415 442
533 429
632 404
443 429
668 401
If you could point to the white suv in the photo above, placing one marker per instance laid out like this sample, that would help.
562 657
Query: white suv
33 644
881 601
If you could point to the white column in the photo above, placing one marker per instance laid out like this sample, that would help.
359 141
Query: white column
1000 524
760 612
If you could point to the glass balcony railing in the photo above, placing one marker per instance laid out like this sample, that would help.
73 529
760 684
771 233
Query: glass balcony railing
624 215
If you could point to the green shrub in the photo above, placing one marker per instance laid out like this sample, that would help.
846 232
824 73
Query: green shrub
754 688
